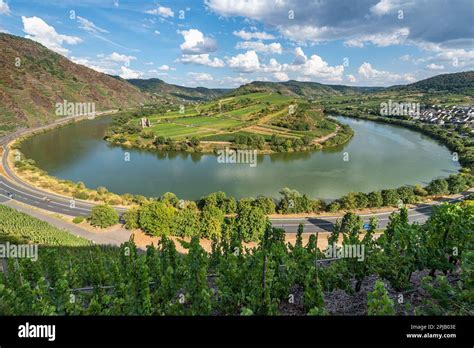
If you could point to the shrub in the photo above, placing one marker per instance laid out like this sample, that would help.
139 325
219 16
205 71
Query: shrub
103 216
78 219
81 195
390 197
438 187
334 207
375 199
378 302
131 219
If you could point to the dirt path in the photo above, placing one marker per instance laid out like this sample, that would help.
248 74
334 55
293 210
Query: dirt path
326 137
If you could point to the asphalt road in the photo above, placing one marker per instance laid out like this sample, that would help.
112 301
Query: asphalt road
14 188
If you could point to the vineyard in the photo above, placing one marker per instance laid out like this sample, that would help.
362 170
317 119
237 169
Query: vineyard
18 227
408 269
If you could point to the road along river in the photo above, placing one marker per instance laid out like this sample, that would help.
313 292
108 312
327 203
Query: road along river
379 156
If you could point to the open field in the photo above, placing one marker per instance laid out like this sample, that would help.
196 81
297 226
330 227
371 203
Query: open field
267 120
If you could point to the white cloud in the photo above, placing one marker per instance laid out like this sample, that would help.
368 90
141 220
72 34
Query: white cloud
351 78
395 37
455 57
383 7
434 66
127 73
118 58
246 35
89 26
302 33
257 46
300 57
235 81
380 77
280 76
273 66
161 11
201 76
164 68
314 66
108 64
247 62
38 30
4 9
249 8
201 59
196 43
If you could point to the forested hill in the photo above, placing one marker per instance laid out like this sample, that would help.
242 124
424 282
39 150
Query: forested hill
455 82
161 88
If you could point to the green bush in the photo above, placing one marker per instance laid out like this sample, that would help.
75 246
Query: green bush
378 302
80 195
78 219
103 216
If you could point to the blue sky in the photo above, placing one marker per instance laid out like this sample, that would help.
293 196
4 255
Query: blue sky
226 43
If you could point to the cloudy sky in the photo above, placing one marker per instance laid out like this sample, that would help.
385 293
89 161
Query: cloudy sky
226 43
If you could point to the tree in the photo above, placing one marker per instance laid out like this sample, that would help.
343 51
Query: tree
362 201
159 141
349 201
390 197
406 194
438 187
449 231
250 223
103 216
375 199
212 219
333 207
378 302
170 199
131 219
456 183
186 223
156 218
265 203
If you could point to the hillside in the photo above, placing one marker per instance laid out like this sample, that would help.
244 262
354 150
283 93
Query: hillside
163 89
33 79
269 121
302 89
462 82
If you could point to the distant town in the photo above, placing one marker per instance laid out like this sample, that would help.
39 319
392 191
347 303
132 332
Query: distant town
455 115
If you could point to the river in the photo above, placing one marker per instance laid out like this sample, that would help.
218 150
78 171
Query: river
378 156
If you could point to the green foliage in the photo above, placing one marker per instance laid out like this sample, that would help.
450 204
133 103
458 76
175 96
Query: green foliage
378 302
438 187
233 280
186 223
17 227
103 216
78 219
156 218
131 217
212 219
250 223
